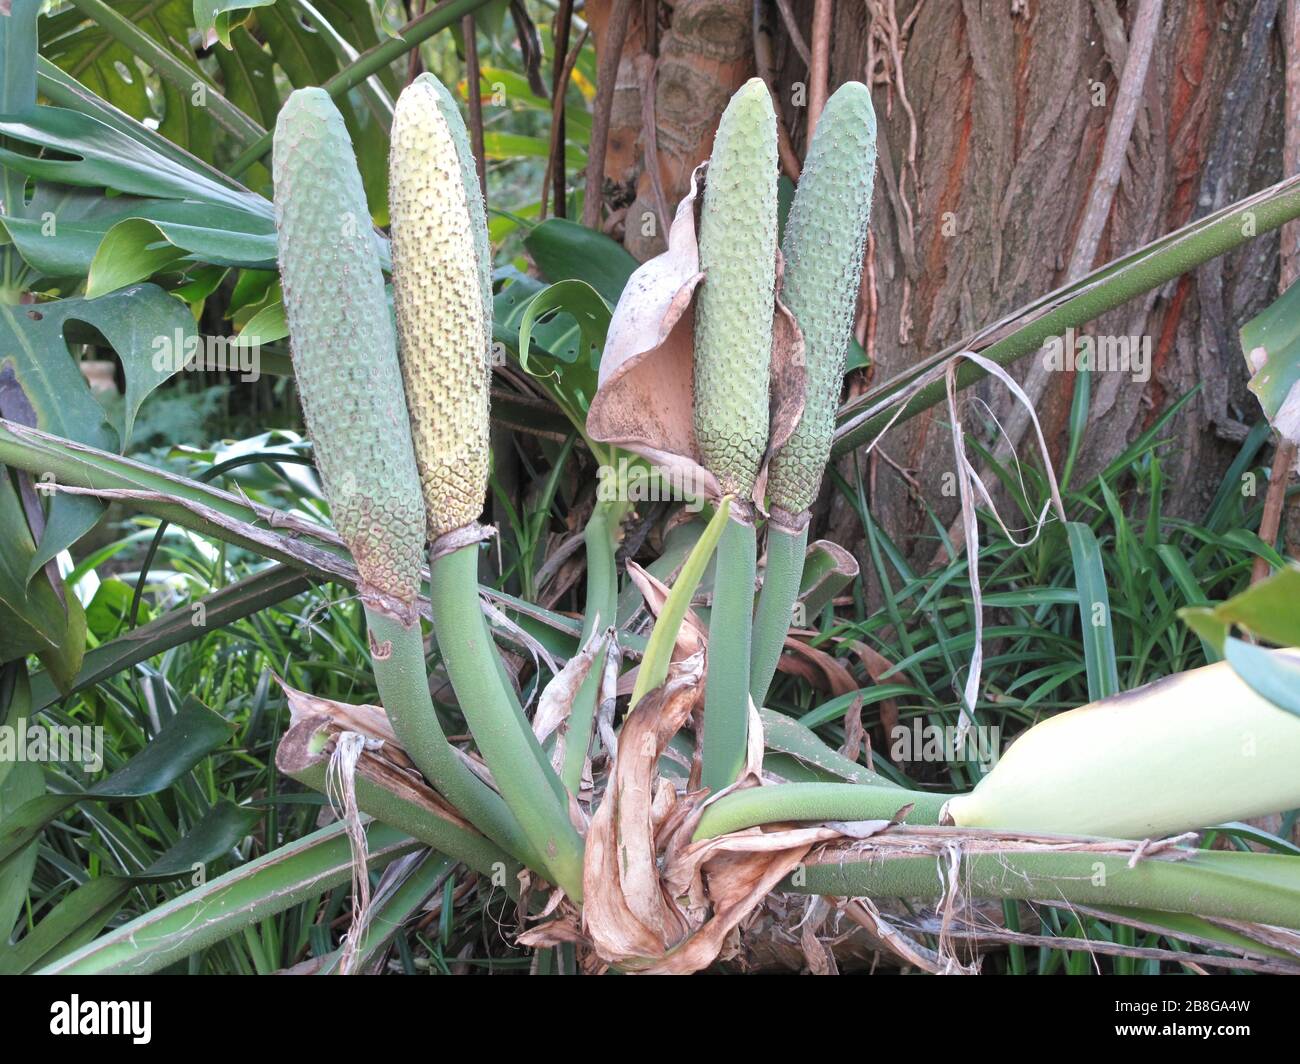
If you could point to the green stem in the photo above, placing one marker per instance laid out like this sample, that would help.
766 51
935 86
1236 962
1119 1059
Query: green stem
781 581
1105 288
726 688
467 847
602 606
239 899
412 35
1250 886
404 691
815 801
520 768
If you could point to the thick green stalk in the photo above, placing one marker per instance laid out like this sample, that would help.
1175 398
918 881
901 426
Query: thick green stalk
371 61
232 902
470 848
781 579
1240 886
1102 290
502 732
815 801
602 607
398 656
726 687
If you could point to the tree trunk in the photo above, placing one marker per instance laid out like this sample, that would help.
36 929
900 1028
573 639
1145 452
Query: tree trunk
991 129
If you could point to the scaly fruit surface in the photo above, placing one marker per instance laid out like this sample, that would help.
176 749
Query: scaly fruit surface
438 294
733 316
344 349
823 244
473 193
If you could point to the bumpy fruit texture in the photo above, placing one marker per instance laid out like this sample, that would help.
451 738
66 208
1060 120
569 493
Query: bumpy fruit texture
344 349
733 317
473 193
438 294
823 244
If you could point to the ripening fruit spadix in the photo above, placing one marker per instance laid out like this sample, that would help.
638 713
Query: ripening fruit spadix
443 311
1192 750
733 315
344 350
823 245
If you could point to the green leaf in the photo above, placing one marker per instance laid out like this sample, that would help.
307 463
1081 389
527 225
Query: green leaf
106 47
109 609
1271 344
1209 629
508 147
1270 675
248 73
585 337
131 251
139 324
788 736
573 333
266 326
1269 610
63 660
264 588
183 741
60 89
231 902
136 249
306 59
18 57
663 639
220 14
83 48
76 919
20 782
33 618
18 43
1094 612
88 151
518 94
565 250
83 913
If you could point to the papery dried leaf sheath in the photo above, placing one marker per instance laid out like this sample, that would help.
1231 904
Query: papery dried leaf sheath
644 397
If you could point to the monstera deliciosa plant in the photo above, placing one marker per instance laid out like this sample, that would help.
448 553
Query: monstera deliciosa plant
650 803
